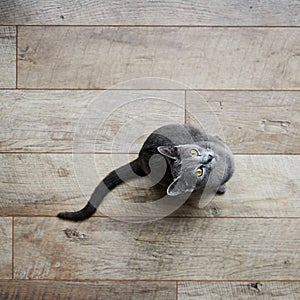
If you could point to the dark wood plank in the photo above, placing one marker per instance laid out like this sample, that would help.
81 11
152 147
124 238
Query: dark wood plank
7 56
211 58
24 289
32 184
251 122
238 290
170 12
6 248
176 249
85 121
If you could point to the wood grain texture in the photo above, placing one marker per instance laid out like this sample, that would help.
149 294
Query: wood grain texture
211 58
21 289
7 56
81 121
242 245
170 12
117 121
5 248
32 184
252 122
177 249
238 290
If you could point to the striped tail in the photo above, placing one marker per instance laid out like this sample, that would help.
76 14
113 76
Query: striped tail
112 180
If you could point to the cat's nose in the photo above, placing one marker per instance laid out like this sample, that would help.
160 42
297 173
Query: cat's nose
210 158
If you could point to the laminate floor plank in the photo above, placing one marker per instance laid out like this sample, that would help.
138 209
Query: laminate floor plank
33 184
7 56
85 121
119 121
24 289
211 58
238 290
250 122
170 12
6 247
169 249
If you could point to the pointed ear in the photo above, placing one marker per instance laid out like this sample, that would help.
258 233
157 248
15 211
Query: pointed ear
179 186
174 188
169 151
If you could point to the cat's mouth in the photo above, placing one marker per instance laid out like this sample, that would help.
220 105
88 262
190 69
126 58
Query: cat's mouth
210 162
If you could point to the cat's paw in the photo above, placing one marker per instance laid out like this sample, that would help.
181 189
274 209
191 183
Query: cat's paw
222 189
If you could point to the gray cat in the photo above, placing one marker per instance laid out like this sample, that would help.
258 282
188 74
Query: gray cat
180 158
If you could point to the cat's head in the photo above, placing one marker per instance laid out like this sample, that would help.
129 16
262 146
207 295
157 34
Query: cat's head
190 167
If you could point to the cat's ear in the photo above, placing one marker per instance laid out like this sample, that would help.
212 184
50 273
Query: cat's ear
169 151
178 186
174 188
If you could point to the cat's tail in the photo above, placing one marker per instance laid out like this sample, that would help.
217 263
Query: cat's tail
127 172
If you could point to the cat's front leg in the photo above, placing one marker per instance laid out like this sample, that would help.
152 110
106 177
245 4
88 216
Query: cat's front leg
222 189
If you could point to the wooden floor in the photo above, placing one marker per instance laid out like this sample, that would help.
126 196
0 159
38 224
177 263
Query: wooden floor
56 58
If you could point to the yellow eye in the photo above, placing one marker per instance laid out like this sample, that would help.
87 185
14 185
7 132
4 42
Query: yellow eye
199 172
194 152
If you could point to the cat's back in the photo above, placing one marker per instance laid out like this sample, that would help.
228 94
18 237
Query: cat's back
173 134
168 135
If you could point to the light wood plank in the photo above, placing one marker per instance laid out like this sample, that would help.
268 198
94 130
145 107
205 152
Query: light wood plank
7 56
170 12
262 186
252 122
111 290
177 249
238 290
5 248
211 58
81 121
64 121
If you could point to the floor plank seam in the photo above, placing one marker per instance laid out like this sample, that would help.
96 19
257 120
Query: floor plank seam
58 152
117 153
153 280
185 109
17 55
154 25
167 217
13 248
151 89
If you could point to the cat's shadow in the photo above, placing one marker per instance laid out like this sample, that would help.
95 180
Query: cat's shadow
141 191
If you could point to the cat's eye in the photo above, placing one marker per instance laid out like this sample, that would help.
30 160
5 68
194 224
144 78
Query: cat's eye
199 172
194 152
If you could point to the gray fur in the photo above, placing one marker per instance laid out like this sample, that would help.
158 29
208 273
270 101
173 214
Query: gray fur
175 143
